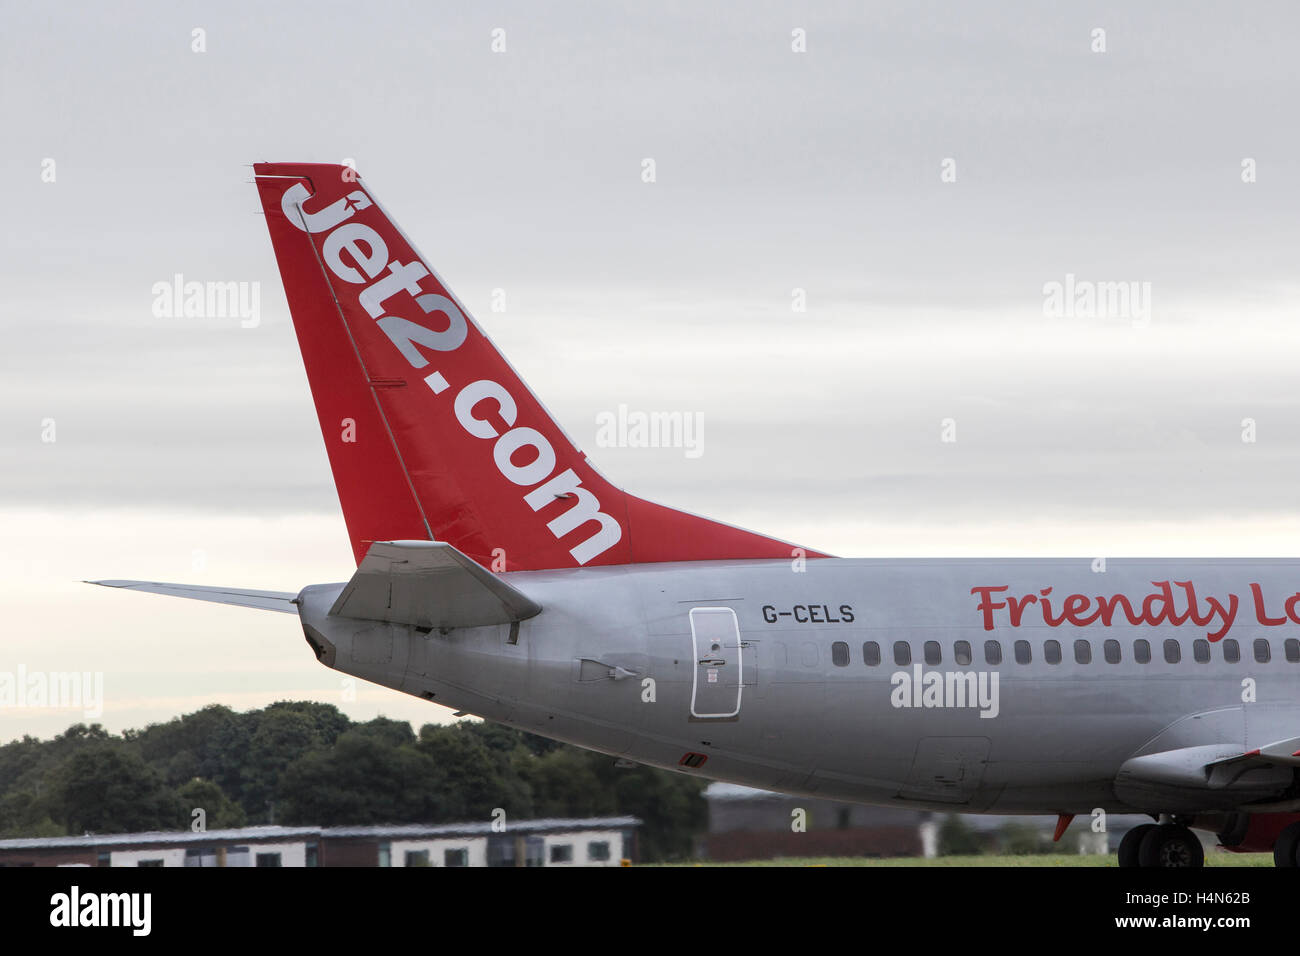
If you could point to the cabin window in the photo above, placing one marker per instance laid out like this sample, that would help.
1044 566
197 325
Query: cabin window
1111 649
1052 652
1142 651
902 653
1173 651
871 654
932 654
1023 655
1262 653
840 654
1292 648
1082 652
961 653
1231 650
992 652
1201 650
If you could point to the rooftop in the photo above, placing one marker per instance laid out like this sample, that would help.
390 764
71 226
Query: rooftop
282 834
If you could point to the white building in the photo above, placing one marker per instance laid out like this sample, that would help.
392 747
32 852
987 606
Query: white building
599 841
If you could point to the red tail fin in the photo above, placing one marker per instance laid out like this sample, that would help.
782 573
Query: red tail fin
431 434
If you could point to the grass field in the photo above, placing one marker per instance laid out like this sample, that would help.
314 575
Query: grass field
1055 859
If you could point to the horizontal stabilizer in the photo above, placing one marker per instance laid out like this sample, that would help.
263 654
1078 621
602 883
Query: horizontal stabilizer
262 600
429 584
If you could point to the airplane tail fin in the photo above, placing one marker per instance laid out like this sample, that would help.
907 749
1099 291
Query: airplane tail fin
431 434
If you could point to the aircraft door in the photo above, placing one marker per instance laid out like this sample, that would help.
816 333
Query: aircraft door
947 769
719 665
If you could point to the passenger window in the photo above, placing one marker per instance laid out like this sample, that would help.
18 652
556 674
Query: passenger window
932 653
1022 652
1111 649
961 653
1292 647
1201 650
1231 650
1052 652
1142 651
1173 651
840 654
902 653
871 654
992 652
1082 652
1262 654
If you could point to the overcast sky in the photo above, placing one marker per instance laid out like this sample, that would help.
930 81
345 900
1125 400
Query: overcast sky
922 172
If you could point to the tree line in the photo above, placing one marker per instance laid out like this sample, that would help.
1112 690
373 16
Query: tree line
302 763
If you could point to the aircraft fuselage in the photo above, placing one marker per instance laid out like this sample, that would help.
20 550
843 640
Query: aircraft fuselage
929 683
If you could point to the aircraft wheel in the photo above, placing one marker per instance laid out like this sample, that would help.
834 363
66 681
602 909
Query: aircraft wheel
1128 846
1286 849
1170 846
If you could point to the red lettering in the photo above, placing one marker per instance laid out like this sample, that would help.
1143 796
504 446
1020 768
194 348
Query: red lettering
1291 611
1260 615
1166 598
1106 609
1017 607
987 604
1075 605
1228 616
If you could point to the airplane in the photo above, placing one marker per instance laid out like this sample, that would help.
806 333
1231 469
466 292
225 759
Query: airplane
501 575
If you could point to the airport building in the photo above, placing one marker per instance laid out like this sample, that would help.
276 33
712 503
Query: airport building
601 841
750 824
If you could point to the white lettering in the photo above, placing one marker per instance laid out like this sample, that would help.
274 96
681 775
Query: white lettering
475 392
533 472
347 239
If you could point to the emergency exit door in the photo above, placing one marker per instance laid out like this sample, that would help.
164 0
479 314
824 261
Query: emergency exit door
716 688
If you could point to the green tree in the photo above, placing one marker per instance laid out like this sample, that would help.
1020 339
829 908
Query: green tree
24 814
1019 839
567 782
363 779
671 806
110 789
283 735
958 838
478 771
396 732
219 811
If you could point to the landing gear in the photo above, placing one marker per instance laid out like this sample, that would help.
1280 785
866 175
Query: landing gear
1165 844
1286 851
1128 847
1170 845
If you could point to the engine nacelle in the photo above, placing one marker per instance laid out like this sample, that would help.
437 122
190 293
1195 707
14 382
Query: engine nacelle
1252 832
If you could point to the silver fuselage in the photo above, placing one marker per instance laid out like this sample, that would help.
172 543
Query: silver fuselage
616 662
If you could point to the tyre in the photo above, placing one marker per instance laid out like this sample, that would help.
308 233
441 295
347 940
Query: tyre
1128 846
1170 846
1286 849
